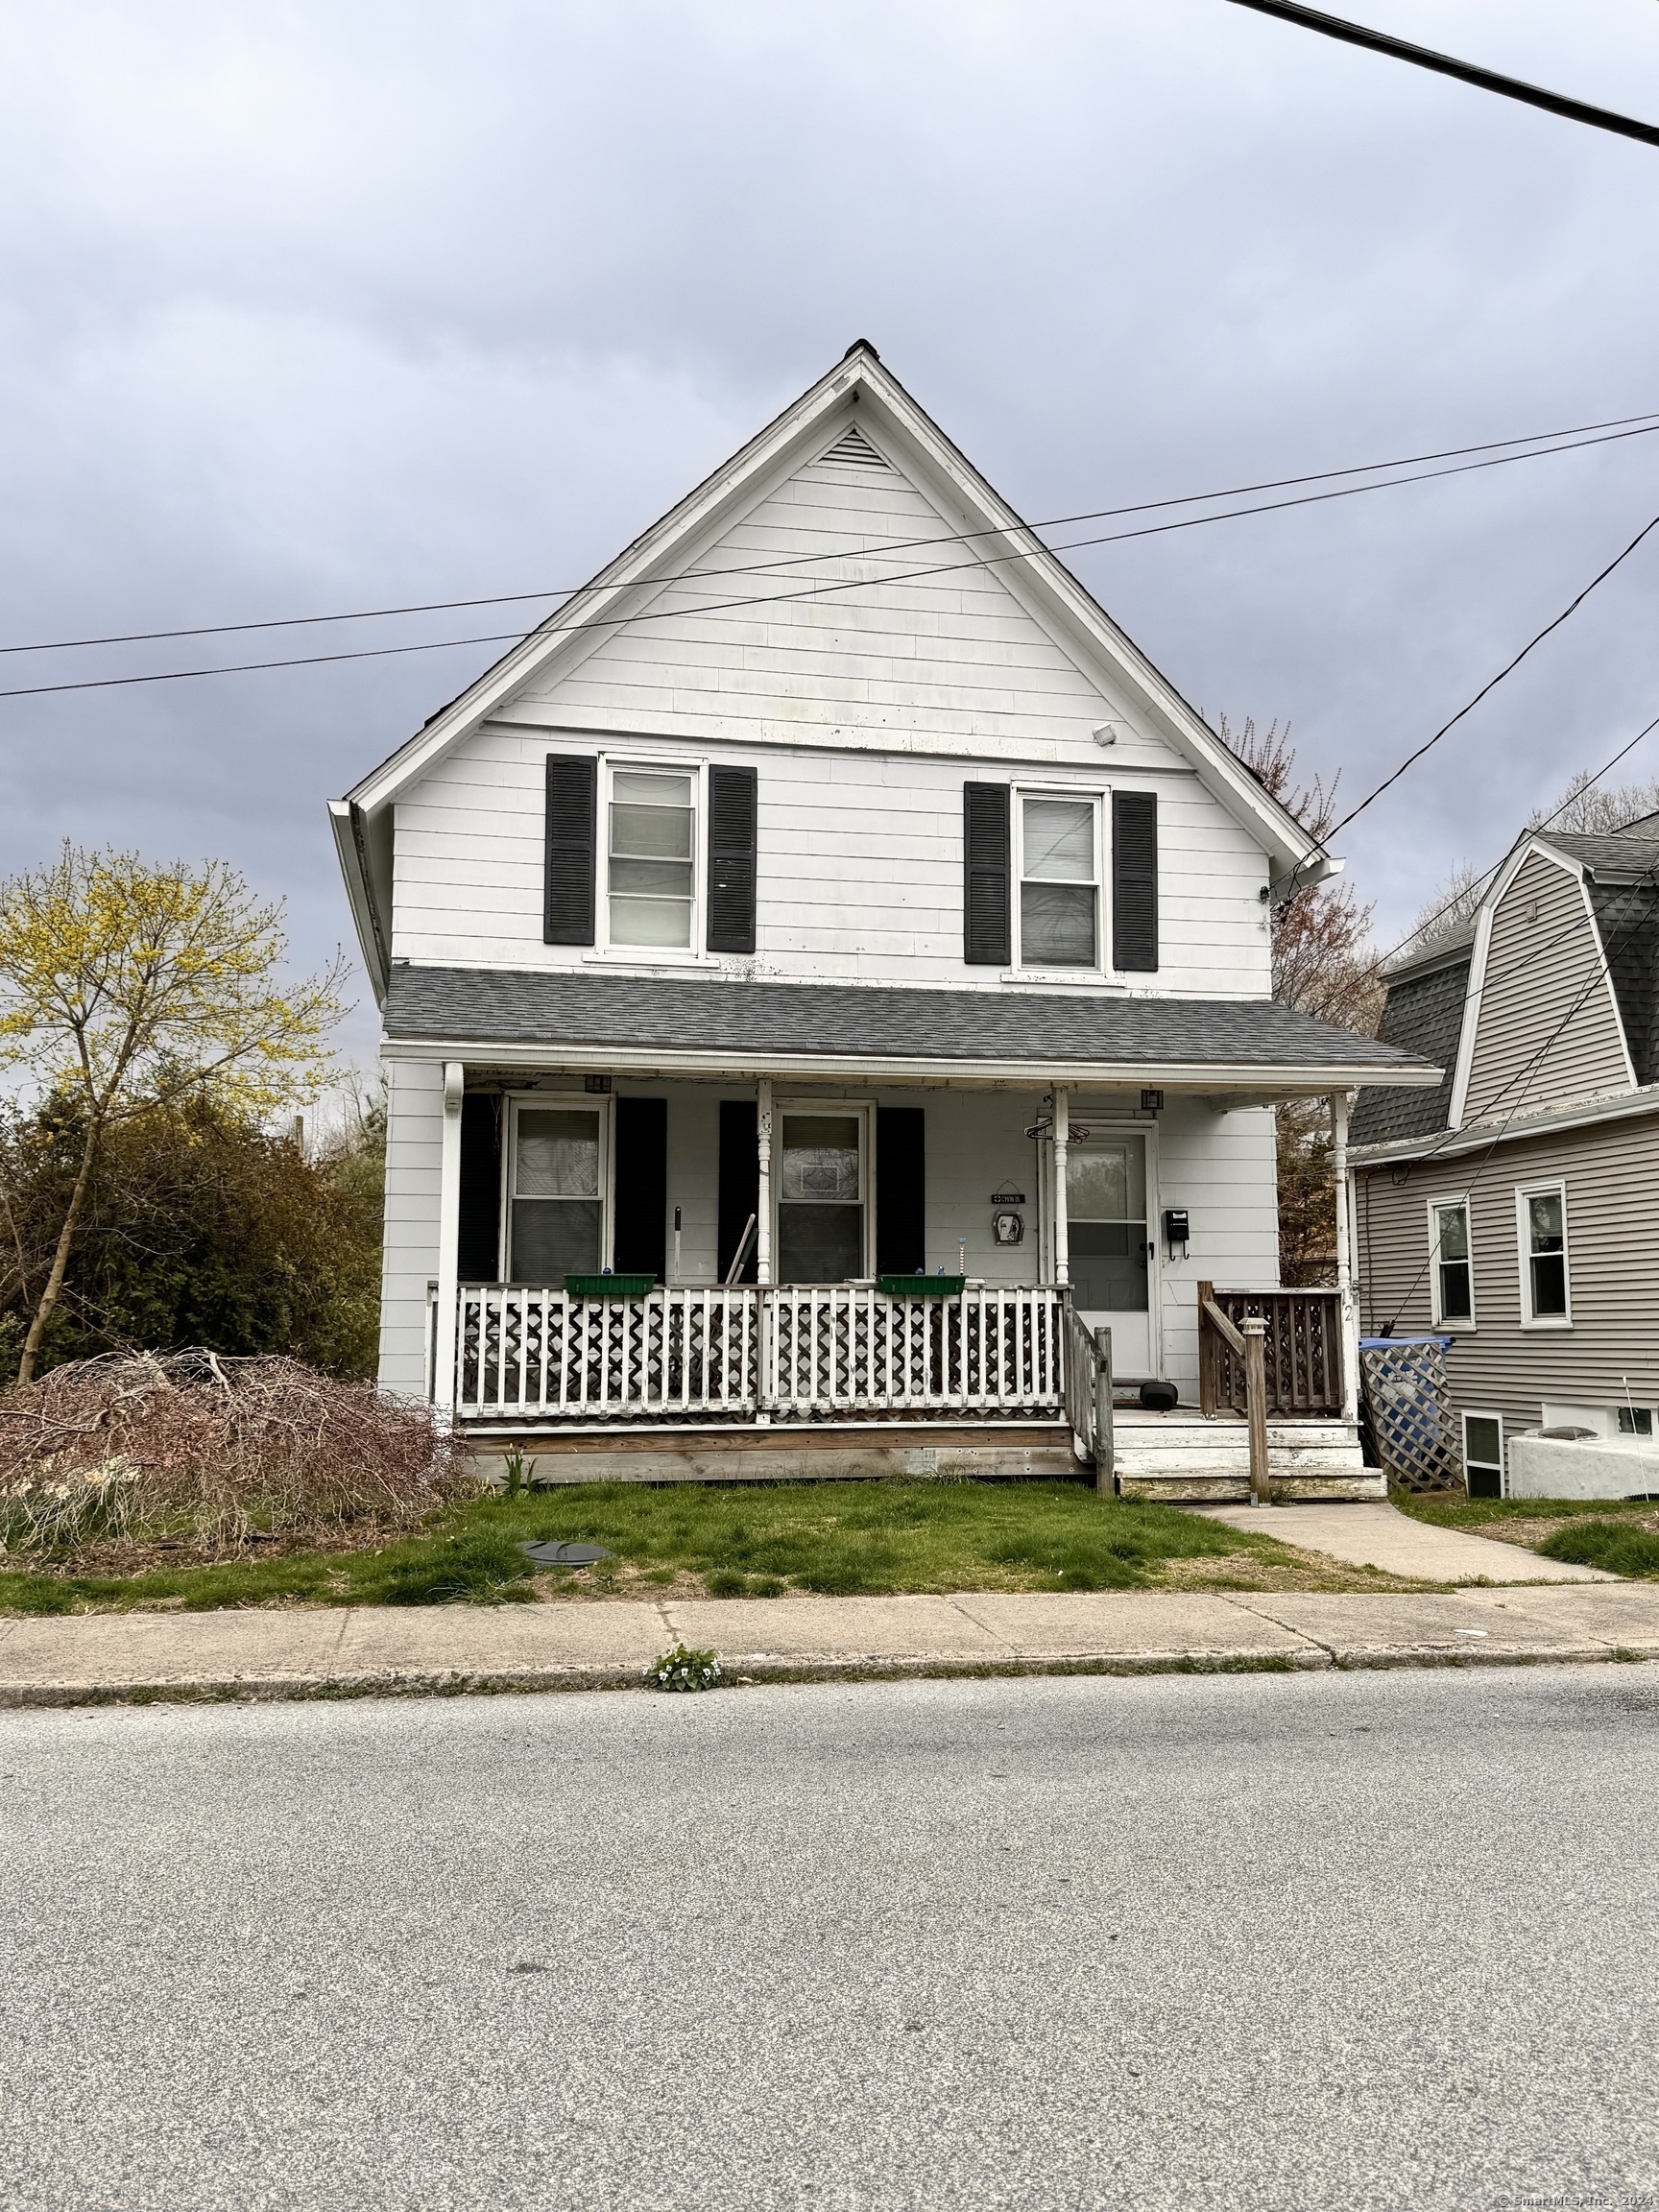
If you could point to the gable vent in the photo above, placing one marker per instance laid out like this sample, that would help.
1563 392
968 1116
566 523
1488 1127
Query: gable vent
853 450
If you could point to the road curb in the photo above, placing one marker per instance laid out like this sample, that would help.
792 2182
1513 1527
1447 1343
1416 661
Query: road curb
400 1682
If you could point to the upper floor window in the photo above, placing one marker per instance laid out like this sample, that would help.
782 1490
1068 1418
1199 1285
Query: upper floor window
1542 1226
1059 882
651 858
1453 1285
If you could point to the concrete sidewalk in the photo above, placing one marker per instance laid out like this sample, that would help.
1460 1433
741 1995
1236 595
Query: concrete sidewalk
1380 1535
434 1650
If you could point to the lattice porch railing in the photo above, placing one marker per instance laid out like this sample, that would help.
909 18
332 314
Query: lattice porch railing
795 1353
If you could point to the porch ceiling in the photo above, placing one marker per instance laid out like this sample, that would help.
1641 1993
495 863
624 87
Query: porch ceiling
698 1026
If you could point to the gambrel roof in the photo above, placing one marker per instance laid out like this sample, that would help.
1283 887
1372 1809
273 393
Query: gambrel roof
1571 1012
857 412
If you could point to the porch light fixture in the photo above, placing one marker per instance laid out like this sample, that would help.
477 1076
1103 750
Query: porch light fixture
597 1086
1151 1101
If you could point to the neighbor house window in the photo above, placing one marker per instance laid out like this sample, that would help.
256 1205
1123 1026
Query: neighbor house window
821 1182
1542 1226
651 855
1059 883
555 1206
1635 1420
1483 1454
1453 1283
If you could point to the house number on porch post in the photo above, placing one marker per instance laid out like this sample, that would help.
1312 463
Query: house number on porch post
1062 1230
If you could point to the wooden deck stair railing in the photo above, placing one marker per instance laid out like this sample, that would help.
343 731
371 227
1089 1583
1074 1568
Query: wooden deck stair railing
1269 1354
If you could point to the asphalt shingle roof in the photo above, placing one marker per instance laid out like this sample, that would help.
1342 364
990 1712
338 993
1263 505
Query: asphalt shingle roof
502 1006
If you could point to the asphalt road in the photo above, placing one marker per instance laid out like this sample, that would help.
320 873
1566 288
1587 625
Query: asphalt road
1342 1940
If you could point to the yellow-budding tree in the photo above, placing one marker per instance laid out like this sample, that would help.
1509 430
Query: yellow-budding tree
124 985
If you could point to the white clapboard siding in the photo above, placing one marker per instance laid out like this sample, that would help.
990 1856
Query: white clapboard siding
860 848
1547 1026
414 1145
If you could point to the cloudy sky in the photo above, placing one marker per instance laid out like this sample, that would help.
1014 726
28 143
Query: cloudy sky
318 306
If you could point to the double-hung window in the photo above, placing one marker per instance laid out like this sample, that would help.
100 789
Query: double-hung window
1453 1283
1541 1226
651 858
1059 882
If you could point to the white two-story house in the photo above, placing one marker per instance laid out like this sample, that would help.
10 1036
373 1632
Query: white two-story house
828 897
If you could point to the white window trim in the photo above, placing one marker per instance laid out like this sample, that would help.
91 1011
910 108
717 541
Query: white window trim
1523 1254
865 1110
513 1102
692 955
1101 800
1437 1207
1477 1413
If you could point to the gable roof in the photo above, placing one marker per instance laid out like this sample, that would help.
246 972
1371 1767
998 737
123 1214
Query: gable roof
857 412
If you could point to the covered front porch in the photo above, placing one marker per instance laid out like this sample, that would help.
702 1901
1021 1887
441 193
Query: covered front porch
1022 1295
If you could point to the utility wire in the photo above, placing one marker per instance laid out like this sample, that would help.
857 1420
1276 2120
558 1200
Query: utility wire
1420 934
1521 1076
1545 443
552 628
1323 848
1446 65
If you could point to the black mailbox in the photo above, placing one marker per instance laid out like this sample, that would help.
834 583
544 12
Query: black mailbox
1176 1231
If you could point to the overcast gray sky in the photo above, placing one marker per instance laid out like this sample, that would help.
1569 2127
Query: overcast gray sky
318 305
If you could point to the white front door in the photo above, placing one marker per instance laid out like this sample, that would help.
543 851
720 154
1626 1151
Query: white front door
1111 1252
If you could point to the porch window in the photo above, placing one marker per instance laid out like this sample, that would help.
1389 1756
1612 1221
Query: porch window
821 1198
1059 883
1541 1224
652 857
555 1193
1454 1280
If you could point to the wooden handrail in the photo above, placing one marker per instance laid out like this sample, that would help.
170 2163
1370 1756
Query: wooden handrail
1223 1327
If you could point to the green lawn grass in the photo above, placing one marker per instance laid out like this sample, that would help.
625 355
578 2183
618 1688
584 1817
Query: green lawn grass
743 1539
1607 1533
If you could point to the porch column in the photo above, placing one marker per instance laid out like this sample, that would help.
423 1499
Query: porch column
1062 1230
763 1199
449 1240
1345 1257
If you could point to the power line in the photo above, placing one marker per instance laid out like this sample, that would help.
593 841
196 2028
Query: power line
551 629
1521 1076
1447 65
1323 847
1420 932
1545 443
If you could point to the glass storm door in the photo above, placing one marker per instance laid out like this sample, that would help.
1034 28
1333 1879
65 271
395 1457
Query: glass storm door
554 1194
821 1198
1111 1264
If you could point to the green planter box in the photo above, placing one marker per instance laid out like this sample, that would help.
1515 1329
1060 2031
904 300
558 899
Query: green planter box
609 1286
920 1286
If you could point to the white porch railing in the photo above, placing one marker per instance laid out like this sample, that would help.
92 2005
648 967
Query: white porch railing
793 1352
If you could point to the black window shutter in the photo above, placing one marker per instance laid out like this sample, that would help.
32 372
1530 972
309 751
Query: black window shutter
985 869
733 807
1134 880
901 1189
478 1251
739 1182
572 826
640 1221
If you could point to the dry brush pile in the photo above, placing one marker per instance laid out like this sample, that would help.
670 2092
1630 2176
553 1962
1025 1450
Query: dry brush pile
213 1450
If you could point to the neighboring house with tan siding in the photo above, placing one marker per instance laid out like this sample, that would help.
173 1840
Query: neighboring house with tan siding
1516 1208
